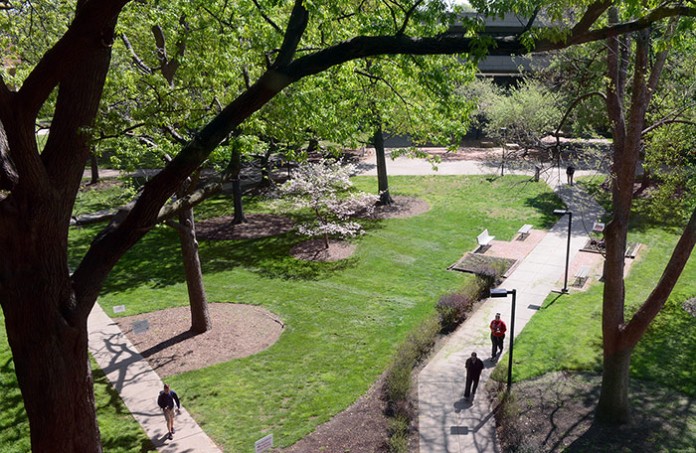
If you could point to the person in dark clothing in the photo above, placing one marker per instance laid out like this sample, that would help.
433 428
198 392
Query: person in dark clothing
570 171
166 400
498 329
473 366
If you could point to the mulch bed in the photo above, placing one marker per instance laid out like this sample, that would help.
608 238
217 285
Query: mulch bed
163 337
256 226
477 263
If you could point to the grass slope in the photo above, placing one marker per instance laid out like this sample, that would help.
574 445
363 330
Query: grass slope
344 320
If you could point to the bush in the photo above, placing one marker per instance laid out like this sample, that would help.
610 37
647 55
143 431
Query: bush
490 277
397 382
398 435
452 309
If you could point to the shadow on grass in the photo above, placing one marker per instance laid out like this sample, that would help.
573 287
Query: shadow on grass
561 407
545 203
14 424
668 336
156 260
118 439
660 423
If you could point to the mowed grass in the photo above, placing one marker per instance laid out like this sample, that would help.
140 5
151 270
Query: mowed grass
566 333
343 320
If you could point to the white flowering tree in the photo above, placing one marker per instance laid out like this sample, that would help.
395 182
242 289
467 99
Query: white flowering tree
324 188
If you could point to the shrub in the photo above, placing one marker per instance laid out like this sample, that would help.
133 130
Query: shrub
490 276
452 309
397 382
398 435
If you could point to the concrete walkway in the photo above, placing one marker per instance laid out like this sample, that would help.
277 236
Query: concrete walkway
139 387
447 422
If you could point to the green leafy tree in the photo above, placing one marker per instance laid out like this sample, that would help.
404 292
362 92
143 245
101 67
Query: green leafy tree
523 116
62 78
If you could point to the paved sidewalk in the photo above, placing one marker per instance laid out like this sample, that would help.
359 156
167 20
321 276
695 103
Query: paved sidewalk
447 422
139 386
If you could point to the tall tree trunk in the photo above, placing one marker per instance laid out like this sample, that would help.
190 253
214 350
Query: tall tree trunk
234 169
200 316
48 337
627 130
385 198
614 406
51 358
94 169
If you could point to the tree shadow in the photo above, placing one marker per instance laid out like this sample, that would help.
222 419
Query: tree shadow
156 260
545 203
14 423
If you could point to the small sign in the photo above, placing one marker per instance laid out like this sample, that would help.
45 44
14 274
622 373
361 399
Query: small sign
119 308
141 326
264 444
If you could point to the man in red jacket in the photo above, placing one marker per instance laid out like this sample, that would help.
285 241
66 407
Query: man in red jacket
498 329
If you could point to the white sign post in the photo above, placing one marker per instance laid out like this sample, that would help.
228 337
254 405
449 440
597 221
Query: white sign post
119 308
263 444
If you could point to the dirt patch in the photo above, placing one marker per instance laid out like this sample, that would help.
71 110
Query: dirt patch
256 226
360 428
316 250
555 413
163 337
403 207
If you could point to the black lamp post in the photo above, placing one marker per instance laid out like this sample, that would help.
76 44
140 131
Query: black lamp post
562 212
500 292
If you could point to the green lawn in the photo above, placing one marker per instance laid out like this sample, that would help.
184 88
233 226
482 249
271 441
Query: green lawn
344 320
665 355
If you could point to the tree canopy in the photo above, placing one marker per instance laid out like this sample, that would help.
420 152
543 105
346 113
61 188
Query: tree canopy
57 66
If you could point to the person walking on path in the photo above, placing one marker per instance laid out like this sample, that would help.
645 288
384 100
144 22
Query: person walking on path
570 171
498 329
473 366
166 400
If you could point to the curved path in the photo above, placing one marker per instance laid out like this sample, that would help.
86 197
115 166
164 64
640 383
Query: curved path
139 385
447 422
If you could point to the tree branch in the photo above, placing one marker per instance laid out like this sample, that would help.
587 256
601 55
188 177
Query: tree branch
266 18
572 106
666 122
139 63
383 80
296 28
640 321
88 33
407 17
590 17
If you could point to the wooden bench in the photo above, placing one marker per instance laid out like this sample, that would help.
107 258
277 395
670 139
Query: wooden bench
581 275
524 231
484 239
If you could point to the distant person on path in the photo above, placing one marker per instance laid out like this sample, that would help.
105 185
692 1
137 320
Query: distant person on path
166 400
473 366
570 171
498 329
